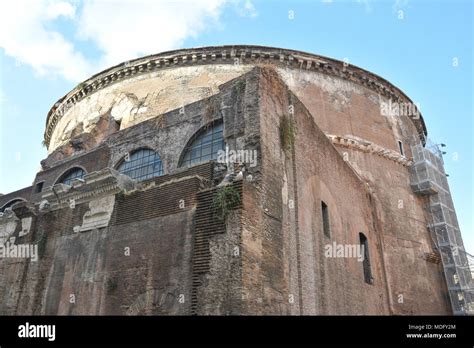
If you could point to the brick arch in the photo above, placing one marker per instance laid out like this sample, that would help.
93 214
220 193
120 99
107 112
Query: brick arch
195 136
58 178
11 202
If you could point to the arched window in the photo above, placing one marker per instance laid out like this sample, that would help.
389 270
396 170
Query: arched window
71 174
141 165
204 145
9 204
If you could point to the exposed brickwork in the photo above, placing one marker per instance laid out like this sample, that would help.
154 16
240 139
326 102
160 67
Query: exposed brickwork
91 161
162 200
206 226
24 193
156 247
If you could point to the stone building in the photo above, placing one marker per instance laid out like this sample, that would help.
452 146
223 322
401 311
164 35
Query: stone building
137 211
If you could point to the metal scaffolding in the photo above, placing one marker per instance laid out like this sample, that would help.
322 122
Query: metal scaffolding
429 178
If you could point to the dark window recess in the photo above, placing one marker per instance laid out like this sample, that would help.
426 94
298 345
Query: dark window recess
400 147
366 263
10 204
39 187
325 215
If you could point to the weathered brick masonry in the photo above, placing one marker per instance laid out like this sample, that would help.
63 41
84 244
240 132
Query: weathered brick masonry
112 245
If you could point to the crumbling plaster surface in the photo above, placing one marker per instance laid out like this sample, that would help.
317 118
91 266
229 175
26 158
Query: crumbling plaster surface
282 268
8 223
364 196
345 108
143 97
99 214
339 106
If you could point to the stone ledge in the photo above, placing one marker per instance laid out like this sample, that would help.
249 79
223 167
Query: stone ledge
96 184
369 147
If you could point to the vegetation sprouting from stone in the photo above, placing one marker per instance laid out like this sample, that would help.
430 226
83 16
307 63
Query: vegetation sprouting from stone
111 285
241 86
160 121
41 242
225 199
120 195
81 85
287 133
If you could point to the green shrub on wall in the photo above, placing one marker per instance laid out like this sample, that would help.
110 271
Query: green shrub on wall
41 241
225 199
287 133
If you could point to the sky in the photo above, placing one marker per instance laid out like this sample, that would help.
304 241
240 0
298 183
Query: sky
423 47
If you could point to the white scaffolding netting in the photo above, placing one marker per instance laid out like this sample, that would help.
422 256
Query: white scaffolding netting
429 178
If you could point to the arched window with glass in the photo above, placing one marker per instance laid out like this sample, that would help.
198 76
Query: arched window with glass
204 146
141 165
71 174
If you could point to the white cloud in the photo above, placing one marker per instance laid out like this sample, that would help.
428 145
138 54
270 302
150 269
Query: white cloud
120 29
247 10
128 29
24 35
60 8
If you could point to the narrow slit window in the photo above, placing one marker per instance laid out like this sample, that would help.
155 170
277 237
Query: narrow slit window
325 216
400 147
366 263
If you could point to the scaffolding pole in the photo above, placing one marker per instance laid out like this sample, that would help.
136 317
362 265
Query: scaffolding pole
429 178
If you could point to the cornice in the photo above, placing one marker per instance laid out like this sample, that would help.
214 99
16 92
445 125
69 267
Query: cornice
369 147
227 55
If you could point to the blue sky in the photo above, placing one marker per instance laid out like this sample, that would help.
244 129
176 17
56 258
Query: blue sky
47 47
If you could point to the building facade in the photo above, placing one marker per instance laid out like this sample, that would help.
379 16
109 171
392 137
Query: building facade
235 180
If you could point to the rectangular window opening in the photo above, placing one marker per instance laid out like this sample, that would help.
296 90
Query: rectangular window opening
39 187
366 263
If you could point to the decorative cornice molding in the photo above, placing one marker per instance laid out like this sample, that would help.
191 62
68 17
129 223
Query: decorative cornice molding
104 182
226 55
369 147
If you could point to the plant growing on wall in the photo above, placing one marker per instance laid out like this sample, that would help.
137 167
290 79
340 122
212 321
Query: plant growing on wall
241 86
111 285
41 242
120 195
81 85
225 199
287 133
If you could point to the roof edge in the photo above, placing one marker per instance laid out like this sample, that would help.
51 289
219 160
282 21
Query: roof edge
214 54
